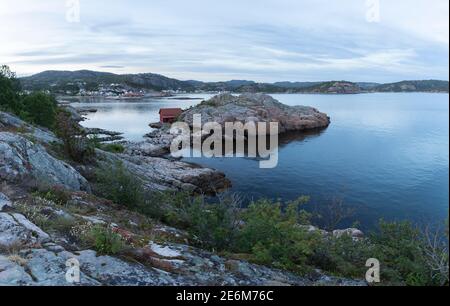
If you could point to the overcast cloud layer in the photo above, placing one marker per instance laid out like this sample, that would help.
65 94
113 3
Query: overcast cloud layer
209 40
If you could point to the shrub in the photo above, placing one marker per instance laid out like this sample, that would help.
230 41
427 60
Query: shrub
342 256
436 252
275 237
270 232
56 194
215 225
112 147
115 183
400 247
104 240
40 108
76 145
60 224
9 91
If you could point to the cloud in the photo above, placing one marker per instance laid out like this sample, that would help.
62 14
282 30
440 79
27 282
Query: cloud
267 40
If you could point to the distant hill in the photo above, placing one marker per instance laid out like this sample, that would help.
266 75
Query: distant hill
295 85
68 80
74 81
367 85
334 87
414 86
58 80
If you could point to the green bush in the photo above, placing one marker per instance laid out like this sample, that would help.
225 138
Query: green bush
269 232
9 91
56 194
400 247
215 225
115 183
40 108
274 236
112 147
104 240
342 256
60 224
76 145
37 108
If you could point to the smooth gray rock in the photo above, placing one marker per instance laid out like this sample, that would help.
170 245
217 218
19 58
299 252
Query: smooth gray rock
204 268
49 268
20 159
15 229
42 135
12 274
115 272
163 174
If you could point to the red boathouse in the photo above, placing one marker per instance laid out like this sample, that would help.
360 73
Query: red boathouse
169 115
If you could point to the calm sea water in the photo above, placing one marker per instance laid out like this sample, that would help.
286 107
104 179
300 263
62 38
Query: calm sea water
384 155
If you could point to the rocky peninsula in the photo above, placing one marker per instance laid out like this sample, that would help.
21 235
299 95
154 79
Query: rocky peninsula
257 108
244 108
48 202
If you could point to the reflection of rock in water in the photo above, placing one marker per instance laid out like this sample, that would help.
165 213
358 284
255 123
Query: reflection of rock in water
289 137
283 140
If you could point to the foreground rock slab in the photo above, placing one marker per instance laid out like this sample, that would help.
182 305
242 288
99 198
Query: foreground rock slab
15 229
9 122
205 268
163 174
22 160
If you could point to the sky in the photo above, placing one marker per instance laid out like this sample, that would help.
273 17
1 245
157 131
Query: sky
207 40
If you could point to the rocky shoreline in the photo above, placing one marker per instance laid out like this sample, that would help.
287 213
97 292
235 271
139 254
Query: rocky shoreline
25 158
38 235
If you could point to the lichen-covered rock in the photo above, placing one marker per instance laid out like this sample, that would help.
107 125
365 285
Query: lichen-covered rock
154 146
113 271
12 273
8 122
163 174
15 229
21 159
41 260
257 108
204 268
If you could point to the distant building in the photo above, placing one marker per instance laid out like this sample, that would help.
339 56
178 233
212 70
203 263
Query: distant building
169 115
